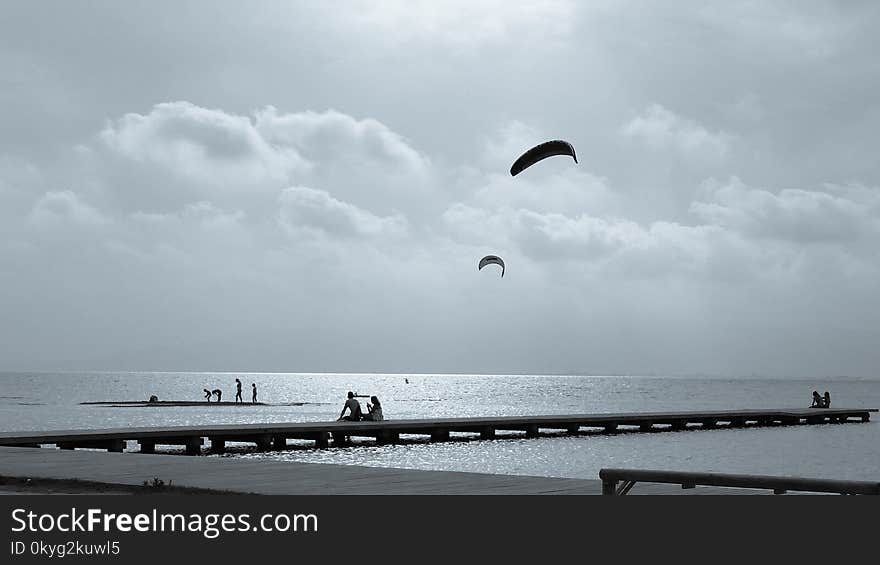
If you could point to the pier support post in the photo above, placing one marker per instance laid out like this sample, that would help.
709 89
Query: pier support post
440 435
573 429
264 442
322 440
737 422
194 445
116 445
147 446
532 431
487 433
386 437
609 487
610 428
679 425
66 446
646 426
709 423
218 445
866 416
279 443
338 439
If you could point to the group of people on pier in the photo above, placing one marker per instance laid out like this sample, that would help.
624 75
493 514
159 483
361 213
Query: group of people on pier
374 410
821 401
219 393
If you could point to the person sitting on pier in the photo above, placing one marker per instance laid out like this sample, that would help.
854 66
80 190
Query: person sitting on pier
827 400
218 393
238 390
354 408
207 394
254 393
374 410
817 400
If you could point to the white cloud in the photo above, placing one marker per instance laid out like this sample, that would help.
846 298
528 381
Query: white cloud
64 208
800 216
204 144
181 153
310 210
613 245
331 136
660 128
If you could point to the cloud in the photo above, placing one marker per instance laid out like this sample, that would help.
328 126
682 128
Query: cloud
331 136
310 210
180 153
795 215
204 144
65 209
660 128
597 244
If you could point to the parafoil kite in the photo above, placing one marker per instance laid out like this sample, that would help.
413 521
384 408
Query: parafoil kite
491 260
540 152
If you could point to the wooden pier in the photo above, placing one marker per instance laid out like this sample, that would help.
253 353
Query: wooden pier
275 435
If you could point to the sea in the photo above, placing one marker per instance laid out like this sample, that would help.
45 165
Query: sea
51 401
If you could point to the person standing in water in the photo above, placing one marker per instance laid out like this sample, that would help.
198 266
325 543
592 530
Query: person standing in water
254 393
218 393
238 390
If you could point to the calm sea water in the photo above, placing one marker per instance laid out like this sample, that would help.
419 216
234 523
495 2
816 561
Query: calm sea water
41 401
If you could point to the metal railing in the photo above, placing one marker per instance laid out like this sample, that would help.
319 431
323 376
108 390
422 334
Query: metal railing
621 481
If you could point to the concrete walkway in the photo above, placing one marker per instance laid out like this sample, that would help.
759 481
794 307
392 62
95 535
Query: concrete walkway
275 477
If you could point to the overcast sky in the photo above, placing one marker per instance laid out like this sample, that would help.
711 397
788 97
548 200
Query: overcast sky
307 186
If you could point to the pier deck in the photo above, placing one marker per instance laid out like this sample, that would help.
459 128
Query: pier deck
275 435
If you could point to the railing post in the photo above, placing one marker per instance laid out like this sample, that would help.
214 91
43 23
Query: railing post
609 487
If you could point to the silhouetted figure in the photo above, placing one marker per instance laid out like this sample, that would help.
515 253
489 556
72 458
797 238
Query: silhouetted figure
154 399
254 393
207 394
374 410
218 393
238 391
354 408
827 400
817 400
407 380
